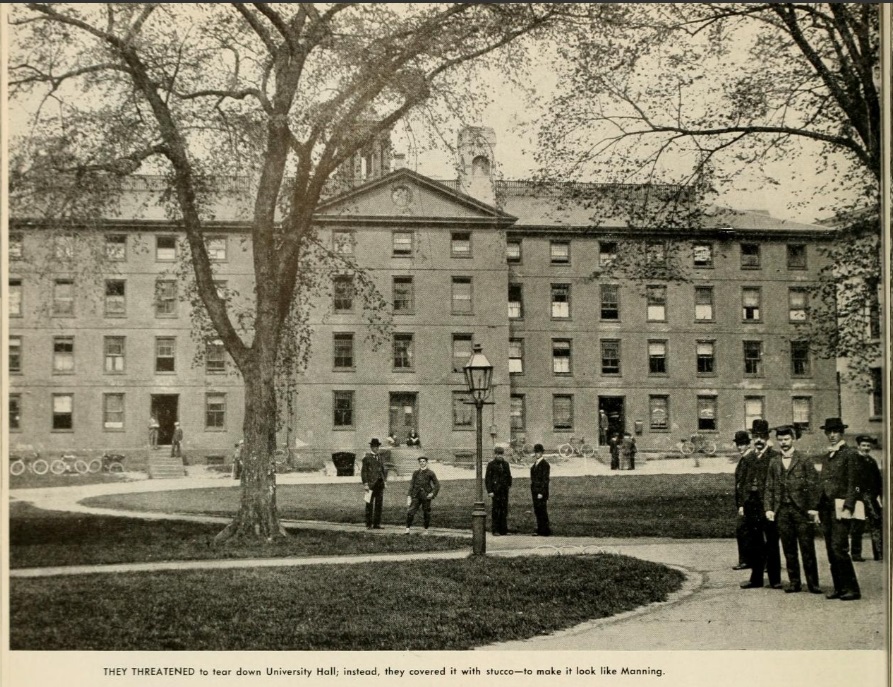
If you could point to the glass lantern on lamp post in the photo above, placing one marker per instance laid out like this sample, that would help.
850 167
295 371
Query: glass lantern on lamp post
478 376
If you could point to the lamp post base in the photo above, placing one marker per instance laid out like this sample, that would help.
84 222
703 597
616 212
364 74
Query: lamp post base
479 530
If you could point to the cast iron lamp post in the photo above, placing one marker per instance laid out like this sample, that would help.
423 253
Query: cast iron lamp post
478 375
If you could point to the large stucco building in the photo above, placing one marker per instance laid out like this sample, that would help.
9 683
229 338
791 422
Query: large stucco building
514 266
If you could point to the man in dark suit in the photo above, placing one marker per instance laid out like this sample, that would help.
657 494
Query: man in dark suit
839 482
374 476
791 501
498 480
870 485
763 553
539 491
742 443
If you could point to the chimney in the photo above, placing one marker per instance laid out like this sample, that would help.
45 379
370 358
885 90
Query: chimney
476 157
398 162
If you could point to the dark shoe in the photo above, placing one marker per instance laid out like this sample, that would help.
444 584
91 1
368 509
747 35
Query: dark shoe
850 596
741 566
776 585
793 589
858 559
751 585
833 595
815 590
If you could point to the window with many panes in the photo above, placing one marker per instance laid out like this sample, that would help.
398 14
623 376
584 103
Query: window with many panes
513 251
215 357
750 256
754 409
63 354
16 246
63 412
704 303
657 357
798 303
659 413
463 411
343 242
753 358
216 247
561 301
703 255
342 409
165 248
516 301
14 298
561 356
801 407
342 293
707 415
404 295
215 411
343 351
656 300
113 412
15 412
801 365
705 352
461 296
796 256
115 298
113 354
165 354
403 353
516 356
165 298
562 413
874 318
560 252
516 412
15 354
610 301
401 243
63 297
460 244
877 392
610 356
607 252
462 346
750 304
116 247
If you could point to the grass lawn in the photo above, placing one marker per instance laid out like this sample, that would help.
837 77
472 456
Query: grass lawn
678 506
40 538
419 605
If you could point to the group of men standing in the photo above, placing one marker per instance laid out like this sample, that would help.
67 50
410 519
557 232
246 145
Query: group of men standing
781 497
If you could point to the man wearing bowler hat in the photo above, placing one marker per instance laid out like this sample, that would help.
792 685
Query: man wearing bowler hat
791 501
374 477
498 480
539 491
839 492
762 534
745 450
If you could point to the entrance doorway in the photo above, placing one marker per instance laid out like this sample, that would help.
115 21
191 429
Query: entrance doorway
165 408
403 415
614 407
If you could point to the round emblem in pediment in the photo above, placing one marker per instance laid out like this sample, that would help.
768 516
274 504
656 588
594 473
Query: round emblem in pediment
401 195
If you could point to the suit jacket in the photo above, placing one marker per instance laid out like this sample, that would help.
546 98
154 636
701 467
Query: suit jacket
539 478
373 469
423 484
800 482
840 477
740 472
498 476
870 480
755 471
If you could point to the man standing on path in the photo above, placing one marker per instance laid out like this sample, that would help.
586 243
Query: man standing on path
539 491
374 477
871 485
762 533
742 443
423 488
839 493
176 441
498 480
791 501
153 432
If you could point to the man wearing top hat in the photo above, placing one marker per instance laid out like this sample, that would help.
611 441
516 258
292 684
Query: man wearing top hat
791 501
742 443
839 492
871 485
762 534
374 476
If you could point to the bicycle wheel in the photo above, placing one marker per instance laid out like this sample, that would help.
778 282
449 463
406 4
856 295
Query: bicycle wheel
57 467
40 467
710 448
94 465
116 467
587 451
565 450
81 466
686 449
17 467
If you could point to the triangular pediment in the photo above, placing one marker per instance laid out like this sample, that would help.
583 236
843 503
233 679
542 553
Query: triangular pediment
405 194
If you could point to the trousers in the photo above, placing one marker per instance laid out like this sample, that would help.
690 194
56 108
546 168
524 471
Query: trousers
373 508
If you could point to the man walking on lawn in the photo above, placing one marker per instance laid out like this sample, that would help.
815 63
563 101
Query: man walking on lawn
498 480
791 501
539 491
423 488
374 477
745 450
